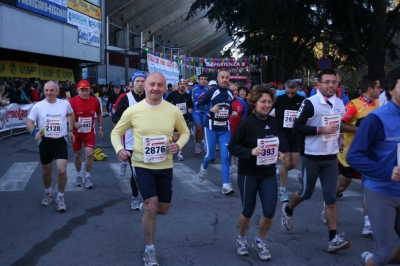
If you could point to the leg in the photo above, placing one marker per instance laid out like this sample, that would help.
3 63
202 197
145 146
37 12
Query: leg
61 174
89 159
294 159
328 177
77 161
223 140
46 175
343 184
149 219
211 140
267 190
284 168
378 206
248 192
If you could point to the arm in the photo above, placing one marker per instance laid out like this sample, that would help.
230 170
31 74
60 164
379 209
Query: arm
190 105
119 130
202 104
183 132
235 146
71 124
345 99
370 133
100 123
305 112
122 106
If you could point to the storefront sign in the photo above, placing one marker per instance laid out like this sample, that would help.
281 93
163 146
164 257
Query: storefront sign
47 8
85 8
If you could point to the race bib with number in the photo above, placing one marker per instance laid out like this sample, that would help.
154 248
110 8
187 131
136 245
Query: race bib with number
86 124
288 118
331 120
222 114
154 149
269 154
53 127
182 107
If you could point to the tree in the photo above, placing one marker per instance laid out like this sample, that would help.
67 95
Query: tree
294 30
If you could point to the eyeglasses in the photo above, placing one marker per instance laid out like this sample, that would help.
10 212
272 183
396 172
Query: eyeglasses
327 82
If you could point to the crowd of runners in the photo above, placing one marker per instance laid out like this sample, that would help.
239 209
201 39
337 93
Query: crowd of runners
335 139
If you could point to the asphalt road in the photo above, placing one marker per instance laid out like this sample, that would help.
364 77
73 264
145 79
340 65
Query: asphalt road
201 228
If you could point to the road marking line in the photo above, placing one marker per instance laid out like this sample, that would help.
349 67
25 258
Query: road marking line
124 181
188 178
17 176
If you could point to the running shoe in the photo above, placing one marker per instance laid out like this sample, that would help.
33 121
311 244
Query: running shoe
61 207
367 231
197 149
213 160
204 146
286 218
122 168
47 199
242 247
141 208
202 174
263 252
339 243
180 156
365 257
135 203
227 189
323 217
282 194
230 170
217 146
149 257
78 181
88 182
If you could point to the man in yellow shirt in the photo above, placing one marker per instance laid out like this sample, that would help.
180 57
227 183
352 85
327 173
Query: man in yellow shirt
152 121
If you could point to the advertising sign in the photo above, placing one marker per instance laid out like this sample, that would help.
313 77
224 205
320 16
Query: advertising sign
88 37
77 19
86 8
14 116
47 8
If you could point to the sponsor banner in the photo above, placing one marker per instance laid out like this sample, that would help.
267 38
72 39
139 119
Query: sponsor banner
14 69
94 25
60 2
88 37
239 77
45 8
77 19
168 68
9 2
225 64
85 8
14 116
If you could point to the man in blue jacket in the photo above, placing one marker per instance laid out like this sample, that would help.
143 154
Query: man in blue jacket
375 153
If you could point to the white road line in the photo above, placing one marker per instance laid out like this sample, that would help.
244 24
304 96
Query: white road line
124 181
218 167
188 178
17 176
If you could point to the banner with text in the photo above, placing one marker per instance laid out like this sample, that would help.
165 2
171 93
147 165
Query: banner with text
85 8
14 69
14 116
47 8
225 64
168 68
86 36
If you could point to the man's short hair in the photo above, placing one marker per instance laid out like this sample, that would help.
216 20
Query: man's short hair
391 81
367 81
325 72
290 83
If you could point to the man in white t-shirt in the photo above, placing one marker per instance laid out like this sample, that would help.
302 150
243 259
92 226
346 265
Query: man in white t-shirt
50 116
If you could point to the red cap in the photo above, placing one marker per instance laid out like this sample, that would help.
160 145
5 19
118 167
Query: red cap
280 83
83 84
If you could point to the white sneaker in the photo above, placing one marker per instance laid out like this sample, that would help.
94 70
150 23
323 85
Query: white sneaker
339 243
365 257
78 181
197 149
122 168
88 182
227 189
217 146
61 207
47 199
180 156
202 174
286 220
149 258
135 203
367 231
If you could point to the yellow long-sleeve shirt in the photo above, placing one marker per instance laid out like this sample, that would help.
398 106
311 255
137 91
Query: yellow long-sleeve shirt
146 120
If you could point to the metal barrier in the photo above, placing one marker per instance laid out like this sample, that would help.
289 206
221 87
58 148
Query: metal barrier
6 134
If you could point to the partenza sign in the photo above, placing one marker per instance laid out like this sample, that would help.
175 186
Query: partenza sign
225 64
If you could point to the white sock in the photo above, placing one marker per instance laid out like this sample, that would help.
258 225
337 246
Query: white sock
149 247
60 194
225 184
366 221
282 189
87 174
48 190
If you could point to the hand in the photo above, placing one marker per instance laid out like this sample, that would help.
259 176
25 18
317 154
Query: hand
71 137
342 143
173 147
78 125
100 132
215 108
38 136
396 174
123 155
256 151
190 110
234 114
281 156
329 129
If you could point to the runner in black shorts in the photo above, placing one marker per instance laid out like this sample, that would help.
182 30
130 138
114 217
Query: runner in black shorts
286 106
50 116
